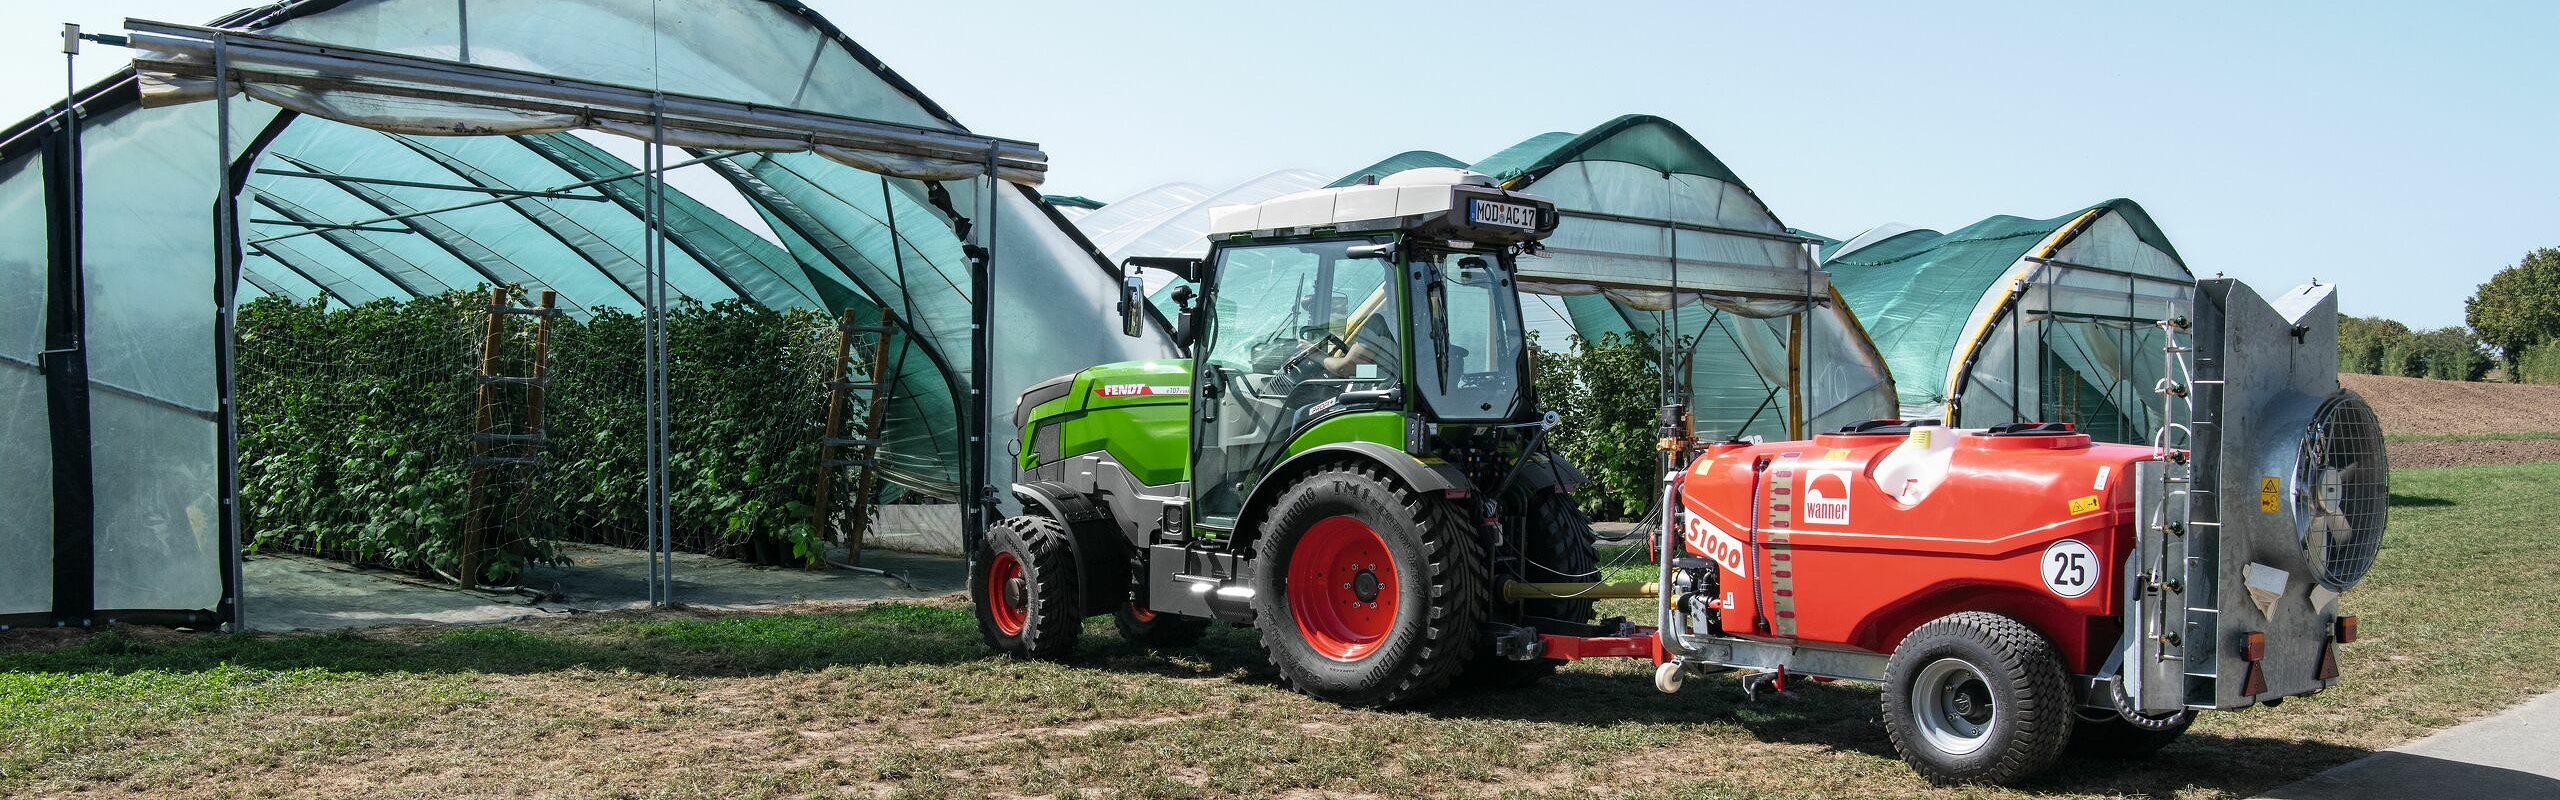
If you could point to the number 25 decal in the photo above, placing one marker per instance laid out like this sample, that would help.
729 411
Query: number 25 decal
2069 568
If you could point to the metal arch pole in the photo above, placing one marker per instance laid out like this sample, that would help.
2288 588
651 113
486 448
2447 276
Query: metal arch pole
980 493
226 289
661 507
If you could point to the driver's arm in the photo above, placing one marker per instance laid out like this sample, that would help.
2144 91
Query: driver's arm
1374 344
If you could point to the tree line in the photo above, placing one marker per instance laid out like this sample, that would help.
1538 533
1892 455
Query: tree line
2513 333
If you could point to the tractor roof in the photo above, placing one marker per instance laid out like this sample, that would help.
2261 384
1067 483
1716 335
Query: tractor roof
1398 200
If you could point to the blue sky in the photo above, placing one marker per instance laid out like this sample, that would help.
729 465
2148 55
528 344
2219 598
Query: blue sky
2403 150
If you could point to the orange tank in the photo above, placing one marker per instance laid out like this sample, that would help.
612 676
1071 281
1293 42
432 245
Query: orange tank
1856 539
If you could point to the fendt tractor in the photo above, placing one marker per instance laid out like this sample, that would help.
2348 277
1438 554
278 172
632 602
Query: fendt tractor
1352 463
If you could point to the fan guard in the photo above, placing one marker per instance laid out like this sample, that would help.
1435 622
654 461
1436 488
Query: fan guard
2342 490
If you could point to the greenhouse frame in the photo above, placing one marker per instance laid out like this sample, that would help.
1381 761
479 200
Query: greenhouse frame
344 151
2013 319
1658 236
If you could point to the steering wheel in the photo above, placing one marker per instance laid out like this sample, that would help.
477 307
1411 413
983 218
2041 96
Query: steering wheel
1330 342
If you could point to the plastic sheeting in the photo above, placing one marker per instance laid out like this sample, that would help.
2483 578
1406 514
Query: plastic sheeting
1654 222
152 181
26 508
2013 319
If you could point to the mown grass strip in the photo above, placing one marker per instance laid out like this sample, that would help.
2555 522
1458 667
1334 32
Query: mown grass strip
2460 617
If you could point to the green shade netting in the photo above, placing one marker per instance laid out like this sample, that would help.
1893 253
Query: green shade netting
1687 221
152 175
1953 312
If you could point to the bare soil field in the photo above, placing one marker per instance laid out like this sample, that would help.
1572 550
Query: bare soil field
2452 423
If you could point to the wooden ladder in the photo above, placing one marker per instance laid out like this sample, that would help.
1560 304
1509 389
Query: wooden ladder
526 447
837 450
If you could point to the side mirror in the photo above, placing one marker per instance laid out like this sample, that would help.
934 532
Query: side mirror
1133 301
1185 324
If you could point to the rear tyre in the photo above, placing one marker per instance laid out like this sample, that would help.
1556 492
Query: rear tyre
1155 628
2114 738
2125 733
1024 589
1976 698
1556 546
1365 592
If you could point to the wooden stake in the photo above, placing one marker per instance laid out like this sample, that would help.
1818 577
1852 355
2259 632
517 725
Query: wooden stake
479 442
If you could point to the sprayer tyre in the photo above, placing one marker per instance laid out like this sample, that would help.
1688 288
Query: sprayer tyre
1976 697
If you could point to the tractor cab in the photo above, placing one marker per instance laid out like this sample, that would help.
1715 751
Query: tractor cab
1369 313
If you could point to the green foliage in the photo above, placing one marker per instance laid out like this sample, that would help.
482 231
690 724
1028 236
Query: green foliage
2377 346
2539 363
356 431
2520 306
1609 394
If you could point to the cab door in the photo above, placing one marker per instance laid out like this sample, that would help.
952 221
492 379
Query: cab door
1290 327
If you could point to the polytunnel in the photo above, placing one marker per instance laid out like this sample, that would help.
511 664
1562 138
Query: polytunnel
363 150
1646 208
1658 235
2013 319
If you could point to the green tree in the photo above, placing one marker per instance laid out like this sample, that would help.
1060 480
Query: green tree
1608 392
2365 344
2520 306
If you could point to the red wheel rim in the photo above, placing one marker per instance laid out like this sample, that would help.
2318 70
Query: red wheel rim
1007 594
1342 588
1141 613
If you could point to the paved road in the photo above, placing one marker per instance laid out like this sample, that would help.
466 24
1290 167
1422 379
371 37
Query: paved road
2515 754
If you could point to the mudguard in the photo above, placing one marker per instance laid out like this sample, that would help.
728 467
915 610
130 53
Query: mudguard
1093 537
1427 478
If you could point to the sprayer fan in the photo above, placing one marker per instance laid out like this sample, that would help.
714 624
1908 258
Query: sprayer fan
2342 490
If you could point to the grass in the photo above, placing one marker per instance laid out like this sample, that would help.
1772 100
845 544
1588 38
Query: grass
2461 617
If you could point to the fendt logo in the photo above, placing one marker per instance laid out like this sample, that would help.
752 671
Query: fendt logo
1137 390
1826 497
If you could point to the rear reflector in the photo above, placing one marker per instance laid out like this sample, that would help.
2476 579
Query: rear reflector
2255 647
2346 629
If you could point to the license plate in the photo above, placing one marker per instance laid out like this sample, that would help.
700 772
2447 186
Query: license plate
1508 215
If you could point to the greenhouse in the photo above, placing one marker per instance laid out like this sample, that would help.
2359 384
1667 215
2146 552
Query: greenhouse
301 211
2013 319
1658 236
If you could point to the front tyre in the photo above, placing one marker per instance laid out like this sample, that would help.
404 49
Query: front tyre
1976 698
1142 626
1024 589
1366 593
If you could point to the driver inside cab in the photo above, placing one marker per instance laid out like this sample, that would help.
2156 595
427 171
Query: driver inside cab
1371 353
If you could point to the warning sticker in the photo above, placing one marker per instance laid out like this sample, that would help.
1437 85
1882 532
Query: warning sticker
1836 454
2083 505
2269 488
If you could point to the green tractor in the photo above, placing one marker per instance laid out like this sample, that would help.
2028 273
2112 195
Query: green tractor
1352 463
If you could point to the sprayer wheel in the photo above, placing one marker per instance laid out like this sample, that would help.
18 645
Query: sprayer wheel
2114 738
1023 585
1976 697
1156 628
1557 546
1366 593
